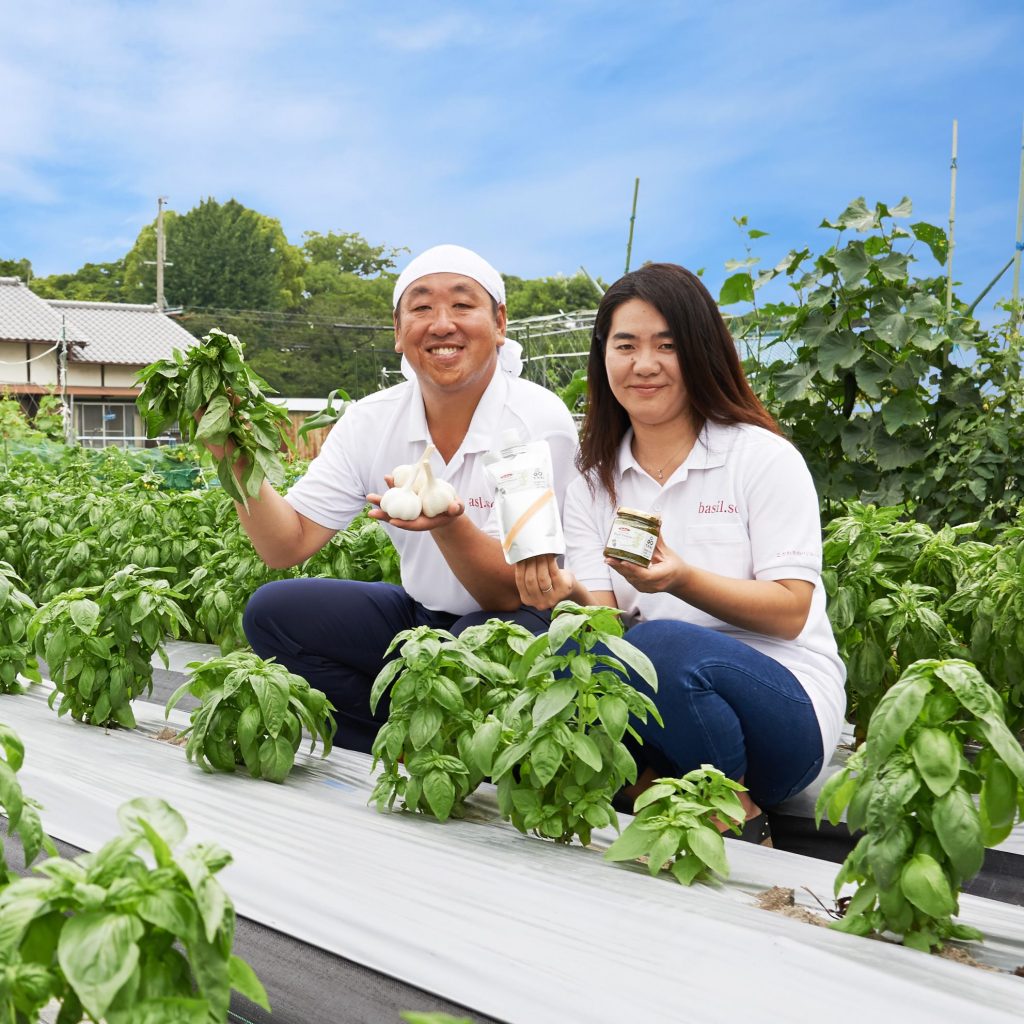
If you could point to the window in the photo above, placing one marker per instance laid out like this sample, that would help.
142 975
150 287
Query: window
100 424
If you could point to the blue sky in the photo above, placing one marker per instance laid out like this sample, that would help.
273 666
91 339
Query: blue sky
514 128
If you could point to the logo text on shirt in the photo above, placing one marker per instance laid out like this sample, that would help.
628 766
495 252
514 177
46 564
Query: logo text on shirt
710 509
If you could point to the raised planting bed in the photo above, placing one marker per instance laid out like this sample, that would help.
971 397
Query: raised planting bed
793 829
513 927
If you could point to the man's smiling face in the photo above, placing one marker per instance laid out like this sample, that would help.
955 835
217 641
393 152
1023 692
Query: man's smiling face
448 329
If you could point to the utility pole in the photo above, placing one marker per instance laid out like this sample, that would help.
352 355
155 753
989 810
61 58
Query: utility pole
161 254
62 383
161 304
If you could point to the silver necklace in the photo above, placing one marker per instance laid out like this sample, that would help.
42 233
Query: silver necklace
660 474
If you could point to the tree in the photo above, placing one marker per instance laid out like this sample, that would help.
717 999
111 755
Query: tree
347 253
224 257
16 268
94 282
348 283
544 296
317 344
322 347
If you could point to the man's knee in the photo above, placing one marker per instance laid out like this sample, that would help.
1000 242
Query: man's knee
267 614
536 622
261 606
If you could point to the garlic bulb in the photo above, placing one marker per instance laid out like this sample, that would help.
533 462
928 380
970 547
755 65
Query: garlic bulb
435 495
401 502
417 490
401 475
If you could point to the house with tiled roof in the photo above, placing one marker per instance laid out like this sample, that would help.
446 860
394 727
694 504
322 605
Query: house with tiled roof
105 344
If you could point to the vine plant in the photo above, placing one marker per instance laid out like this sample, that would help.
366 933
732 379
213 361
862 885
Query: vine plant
866 371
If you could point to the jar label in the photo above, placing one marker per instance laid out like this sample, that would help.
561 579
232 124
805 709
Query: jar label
624 537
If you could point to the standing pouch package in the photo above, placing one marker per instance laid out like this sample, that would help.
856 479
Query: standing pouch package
524 498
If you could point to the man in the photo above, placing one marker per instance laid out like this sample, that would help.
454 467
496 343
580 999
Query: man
463 394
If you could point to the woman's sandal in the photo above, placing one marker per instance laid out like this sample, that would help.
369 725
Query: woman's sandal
622 803
755 830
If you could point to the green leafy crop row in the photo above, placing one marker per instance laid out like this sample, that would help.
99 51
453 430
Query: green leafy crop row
76 520
138 932
542 717
901 591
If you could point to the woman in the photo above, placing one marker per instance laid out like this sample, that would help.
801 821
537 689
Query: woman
731 610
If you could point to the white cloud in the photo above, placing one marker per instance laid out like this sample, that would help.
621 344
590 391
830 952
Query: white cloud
433 33
519 129
19 184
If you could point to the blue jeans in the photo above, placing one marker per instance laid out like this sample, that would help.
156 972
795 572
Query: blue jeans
334 634
728 705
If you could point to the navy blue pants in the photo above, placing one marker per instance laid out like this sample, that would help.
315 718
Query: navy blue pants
334 634
728 705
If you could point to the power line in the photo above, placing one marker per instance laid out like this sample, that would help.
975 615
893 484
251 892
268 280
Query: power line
281 316
259 316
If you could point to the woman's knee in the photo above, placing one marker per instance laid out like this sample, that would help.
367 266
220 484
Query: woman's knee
669 638
679 652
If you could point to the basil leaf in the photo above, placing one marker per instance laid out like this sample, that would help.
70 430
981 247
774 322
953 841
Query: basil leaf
98 953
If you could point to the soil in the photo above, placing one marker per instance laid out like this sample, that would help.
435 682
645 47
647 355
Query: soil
168 735
780 900
961 956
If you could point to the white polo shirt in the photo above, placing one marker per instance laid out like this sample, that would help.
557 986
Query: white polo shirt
742 505
389 429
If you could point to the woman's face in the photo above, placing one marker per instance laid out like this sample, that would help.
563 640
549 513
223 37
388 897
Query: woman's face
642 366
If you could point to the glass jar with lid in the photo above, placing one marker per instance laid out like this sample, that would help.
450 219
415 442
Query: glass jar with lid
633 536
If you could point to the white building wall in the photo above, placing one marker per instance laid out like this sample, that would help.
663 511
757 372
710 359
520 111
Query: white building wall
42 370
86 376
120 376
15 370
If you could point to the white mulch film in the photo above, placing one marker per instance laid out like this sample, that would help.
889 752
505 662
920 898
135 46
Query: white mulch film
802 805
515 927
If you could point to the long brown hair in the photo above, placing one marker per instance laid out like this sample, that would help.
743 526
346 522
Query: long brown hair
716 387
